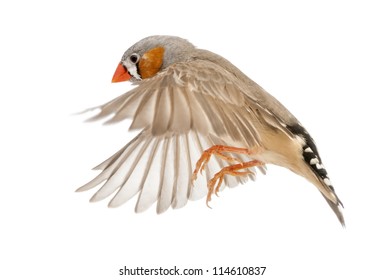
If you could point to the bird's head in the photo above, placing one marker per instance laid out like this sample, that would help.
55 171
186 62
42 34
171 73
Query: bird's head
150 56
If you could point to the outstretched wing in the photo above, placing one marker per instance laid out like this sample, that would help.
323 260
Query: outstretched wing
181 112
197 95
157 168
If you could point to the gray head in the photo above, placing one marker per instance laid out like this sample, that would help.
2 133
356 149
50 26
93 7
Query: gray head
151 55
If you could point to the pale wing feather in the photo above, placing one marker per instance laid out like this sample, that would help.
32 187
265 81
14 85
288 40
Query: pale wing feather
182 182
149 189
111 165
181 119
125 166
167 174
158 169
163 113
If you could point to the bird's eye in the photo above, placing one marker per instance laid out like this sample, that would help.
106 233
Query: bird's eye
134 58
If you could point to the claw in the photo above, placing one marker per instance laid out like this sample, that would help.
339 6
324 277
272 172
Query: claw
215 183
216 150
201 164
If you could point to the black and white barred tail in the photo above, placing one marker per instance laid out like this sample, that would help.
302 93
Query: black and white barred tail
311 155
315 163
312 158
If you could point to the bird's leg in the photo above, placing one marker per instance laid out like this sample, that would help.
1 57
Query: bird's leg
215 183
217 150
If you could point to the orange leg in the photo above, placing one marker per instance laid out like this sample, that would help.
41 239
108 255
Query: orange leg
217 150
215 183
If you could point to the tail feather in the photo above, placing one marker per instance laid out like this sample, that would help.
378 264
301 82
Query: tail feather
318 175
336 209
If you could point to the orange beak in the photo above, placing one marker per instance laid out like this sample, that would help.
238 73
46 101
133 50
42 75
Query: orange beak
121 74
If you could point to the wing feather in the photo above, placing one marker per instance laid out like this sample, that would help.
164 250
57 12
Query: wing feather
149 189
182 181
181 113
166 177
125 110
132 183
145 111
163 113
158 169
127 164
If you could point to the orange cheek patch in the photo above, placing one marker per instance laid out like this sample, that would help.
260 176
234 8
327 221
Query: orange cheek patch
151 62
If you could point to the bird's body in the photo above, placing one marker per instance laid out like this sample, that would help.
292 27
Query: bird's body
194 108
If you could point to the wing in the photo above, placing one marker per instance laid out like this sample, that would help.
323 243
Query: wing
181 112
157 168
198 95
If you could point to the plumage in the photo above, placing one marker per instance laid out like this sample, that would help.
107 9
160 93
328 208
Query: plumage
193 101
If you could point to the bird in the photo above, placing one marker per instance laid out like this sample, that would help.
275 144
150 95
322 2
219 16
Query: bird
202 125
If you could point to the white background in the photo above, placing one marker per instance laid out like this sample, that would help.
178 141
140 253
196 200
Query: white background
323 61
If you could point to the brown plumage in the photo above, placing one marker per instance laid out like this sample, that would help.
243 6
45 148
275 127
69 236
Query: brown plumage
186 101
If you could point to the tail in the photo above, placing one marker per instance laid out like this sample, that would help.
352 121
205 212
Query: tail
317 173
313 160
336 209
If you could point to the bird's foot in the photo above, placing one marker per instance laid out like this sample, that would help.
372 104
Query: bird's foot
233 170
215 183
219 151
